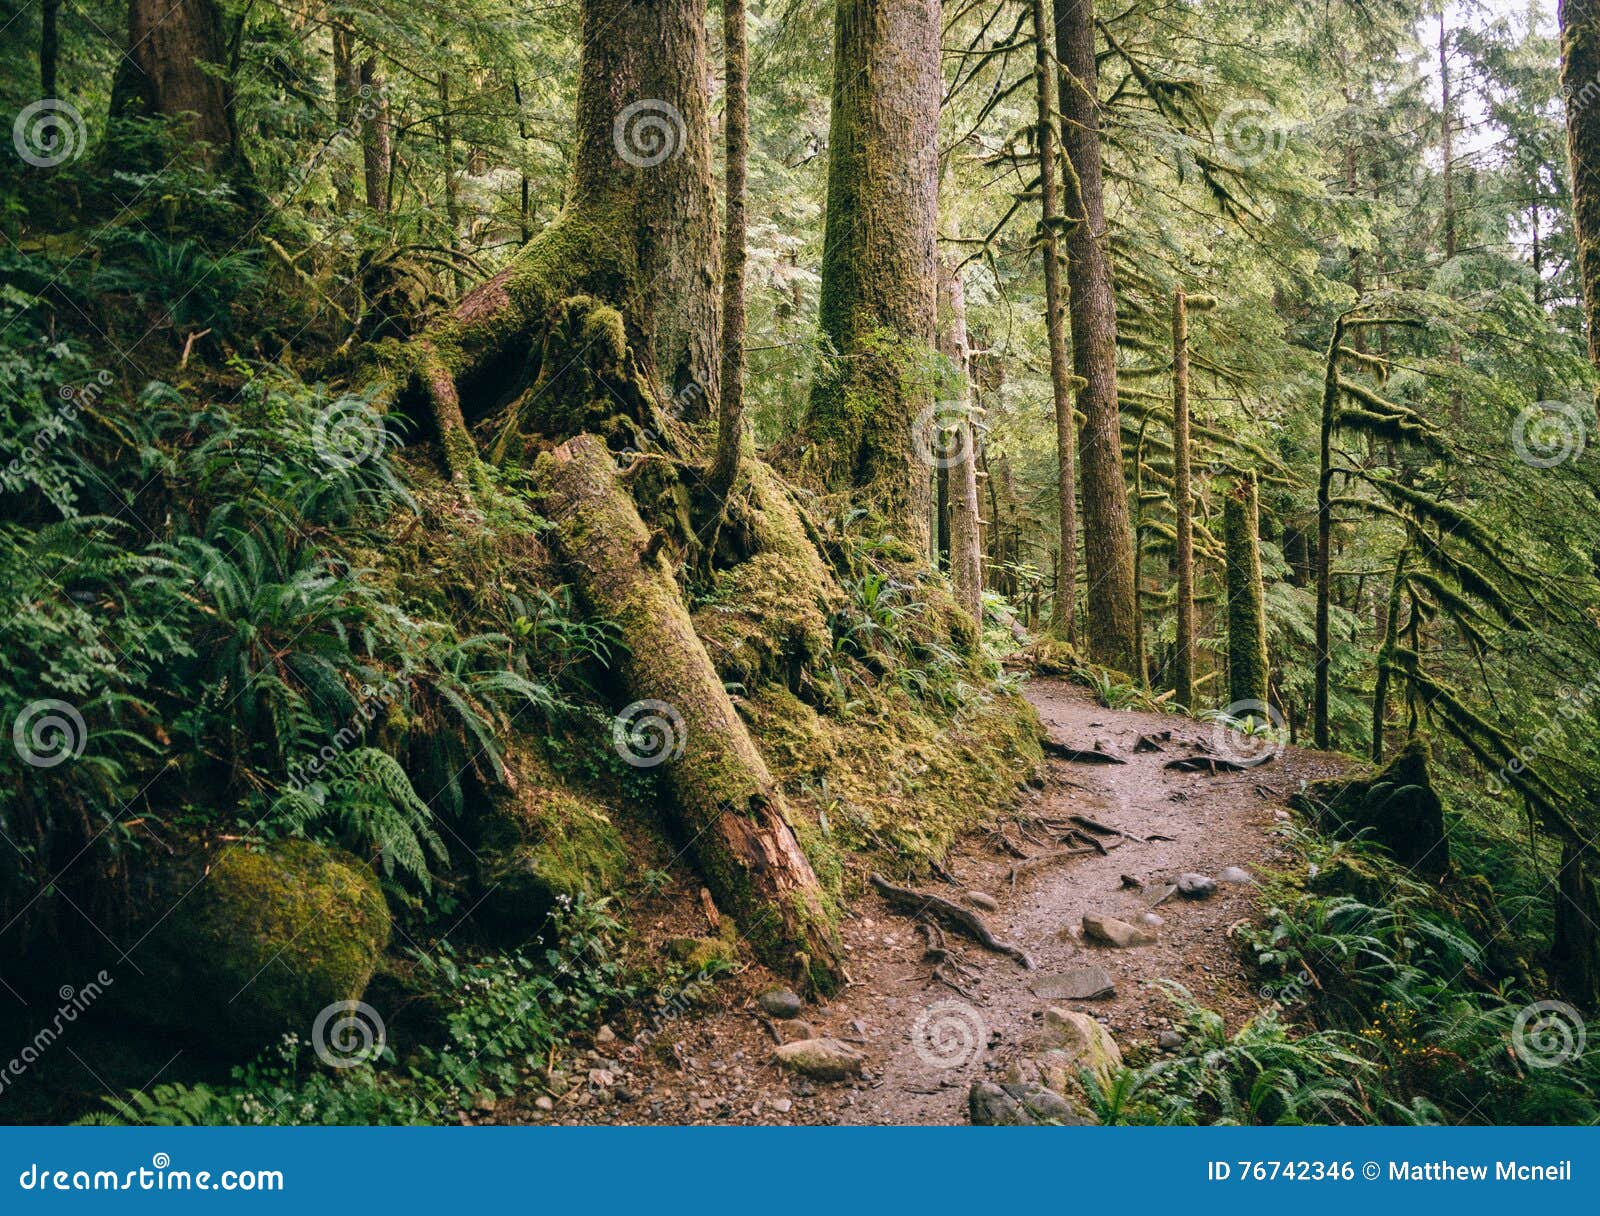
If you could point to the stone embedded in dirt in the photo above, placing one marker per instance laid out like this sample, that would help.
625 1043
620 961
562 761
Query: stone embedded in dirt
1083 1043
982 899
1169 1040
1152 919
604 1036
1234 874
1018 1105
782 1105
1196 886
823 1059
1114 932
544 1102
1078 984
780 1003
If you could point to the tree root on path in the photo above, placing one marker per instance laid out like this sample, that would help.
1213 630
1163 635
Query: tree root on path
1094 755
924 904
1023 868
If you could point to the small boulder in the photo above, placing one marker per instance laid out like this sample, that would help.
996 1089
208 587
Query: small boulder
1076 984
780 1003
1019 1105
1152 919
821 1059
1114 932
1169 1040
982 899
1084 1042
1196 886
1235 874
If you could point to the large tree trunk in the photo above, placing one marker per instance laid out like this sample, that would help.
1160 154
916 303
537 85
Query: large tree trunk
1182 505
1247 632
175 48
1107 540
731 812
1061 616
877 304
966 560
730 420
1580 84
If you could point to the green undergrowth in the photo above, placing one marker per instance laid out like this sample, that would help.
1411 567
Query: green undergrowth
1382 999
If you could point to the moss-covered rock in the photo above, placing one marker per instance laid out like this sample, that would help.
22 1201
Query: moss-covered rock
257 941
543 842
1397 807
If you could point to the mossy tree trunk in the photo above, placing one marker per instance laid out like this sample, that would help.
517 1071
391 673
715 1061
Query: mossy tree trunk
1247 630
1046 78
878 259
1576 948
1182 505
1580 85
1391 639
966 560
376 151
1107 538
730 419
1321 734
346 88
173 68
732 814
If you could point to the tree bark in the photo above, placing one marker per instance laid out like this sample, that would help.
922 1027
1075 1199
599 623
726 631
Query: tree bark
1066 599
346 89
171 43
49 46
878 260
730 811
730 419
966 559
375 148
1107 539
1391 638
1247 631
1580 85
1321 733
1182 505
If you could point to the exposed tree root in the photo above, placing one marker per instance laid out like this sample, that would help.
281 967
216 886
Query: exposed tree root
962 920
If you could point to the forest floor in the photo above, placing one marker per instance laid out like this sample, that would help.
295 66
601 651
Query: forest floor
924 1042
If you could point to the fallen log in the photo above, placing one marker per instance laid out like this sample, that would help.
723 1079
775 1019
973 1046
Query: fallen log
727 804
962 920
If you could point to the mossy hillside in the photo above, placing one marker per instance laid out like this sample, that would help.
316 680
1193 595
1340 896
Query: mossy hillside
256 941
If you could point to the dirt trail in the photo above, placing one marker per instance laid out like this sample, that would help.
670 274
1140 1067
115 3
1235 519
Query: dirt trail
925 1042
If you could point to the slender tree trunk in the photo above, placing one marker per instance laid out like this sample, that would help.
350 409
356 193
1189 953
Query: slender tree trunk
1182 505
1391 638
1330 403
730 421
1066 598
1247 629
1107 538
452 188
49 46
878 259
1580 85
346 90
375 149
1447 149
1140 670
175 48
966 564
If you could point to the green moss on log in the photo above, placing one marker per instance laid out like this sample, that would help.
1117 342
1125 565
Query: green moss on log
1247 628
